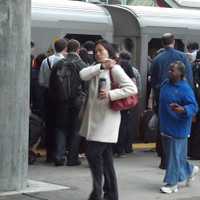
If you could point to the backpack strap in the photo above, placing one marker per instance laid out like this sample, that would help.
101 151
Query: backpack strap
49 64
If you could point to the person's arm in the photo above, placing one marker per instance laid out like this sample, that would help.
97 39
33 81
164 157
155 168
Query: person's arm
42 74
188 69
155 75
90 72
189 107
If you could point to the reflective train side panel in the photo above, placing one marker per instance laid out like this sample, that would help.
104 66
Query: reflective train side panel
52 19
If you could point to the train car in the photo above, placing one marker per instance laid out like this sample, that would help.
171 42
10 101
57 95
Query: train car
138 29
134 28
72 19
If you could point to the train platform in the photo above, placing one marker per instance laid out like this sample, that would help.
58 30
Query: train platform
138 178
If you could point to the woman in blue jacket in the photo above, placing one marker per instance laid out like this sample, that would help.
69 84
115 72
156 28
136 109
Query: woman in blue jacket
177 107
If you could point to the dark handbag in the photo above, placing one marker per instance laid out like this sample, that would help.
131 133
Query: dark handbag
125 103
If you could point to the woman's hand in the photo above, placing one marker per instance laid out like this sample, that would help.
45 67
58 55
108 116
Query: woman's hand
177 108
108 63
103 94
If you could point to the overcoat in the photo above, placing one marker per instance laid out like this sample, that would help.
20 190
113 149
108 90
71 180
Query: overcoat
100 123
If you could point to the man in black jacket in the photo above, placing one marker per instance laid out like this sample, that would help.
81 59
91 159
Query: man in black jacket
67 94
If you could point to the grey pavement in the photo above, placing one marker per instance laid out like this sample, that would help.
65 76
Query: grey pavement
138 178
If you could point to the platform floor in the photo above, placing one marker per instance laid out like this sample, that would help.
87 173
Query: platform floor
138 178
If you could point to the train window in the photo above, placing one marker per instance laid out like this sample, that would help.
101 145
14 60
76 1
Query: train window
128 44
180 45
83 38
155 44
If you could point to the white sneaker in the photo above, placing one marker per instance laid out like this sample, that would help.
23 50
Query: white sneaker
195 171
169 189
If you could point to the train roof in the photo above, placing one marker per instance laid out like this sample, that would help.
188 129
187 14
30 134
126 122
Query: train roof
184 3
58 13
167 17
153 20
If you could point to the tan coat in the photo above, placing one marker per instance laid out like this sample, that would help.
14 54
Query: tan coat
100 123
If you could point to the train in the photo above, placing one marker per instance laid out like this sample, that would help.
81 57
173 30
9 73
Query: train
134 28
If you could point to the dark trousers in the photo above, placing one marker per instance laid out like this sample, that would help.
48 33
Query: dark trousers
49 123
122 143
60 146
159 145
100 160
66 135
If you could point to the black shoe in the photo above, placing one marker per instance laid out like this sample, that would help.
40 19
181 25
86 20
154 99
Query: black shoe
129 150
32 157
58 163
162 165
74 163
49 160
119 155
94 197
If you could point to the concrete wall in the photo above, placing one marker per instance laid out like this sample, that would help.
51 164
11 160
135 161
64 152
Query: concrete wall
14 92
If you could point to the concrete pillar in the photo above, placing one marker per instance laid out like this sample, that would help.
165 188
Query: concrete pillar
14 92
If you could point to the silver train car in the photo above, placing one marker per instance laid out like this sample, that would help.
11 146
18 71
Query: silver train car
52 19
135 28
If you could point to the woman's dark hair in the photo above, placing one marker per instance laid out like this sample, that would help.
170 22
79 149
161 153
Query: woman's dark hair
127 67
38 60
87 59
108 46
125 55
89 45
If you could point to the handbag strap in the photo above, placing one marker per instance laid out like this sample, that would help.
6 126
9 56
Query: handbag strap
111 77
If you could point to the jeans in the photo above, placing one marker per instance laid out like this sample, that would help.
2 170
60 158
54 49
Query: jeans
100 160
177 167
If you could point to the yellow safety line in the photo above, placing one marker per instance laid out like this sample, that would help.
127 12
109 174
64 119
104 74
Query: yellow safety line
144 146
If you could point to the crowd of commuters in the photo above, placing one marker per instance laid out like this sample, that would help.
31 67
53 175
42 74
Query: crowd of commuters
79 114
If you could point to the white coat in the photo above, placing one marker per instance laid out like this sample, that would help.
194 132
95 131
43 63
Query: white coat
100 123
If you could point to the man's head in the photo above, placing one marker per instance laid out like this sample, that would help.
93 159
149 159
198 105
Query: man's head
168 40
60 45
89 45
73 46
192 46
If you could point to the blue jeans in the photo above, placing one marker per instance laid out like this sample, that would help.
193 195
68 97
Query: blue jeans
177 167
60 146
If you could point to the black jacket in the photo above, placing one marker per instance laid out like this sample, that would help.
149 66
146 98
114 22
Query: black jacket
64 109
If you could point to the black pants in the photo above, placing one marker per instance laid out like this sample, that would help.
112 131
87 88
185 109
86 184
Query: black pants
122 143
66 135
159 145
100 160
49 122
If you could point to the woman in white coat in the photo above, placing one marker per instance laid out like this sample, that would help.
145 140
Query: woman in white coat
100 125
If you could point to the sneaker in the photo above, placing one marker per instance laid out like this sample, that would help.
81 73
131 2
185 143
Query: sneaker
194 173
168 189
59 163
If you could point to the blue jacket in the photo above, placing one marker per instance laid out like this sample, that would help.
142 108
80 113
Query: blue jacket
175 124
161 64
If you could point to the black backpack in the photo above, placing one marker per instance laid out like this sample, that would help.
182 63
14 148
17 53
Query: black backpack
65 82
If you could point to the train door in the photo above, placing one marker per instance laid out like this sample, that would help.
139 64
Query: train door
129 44
83 37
